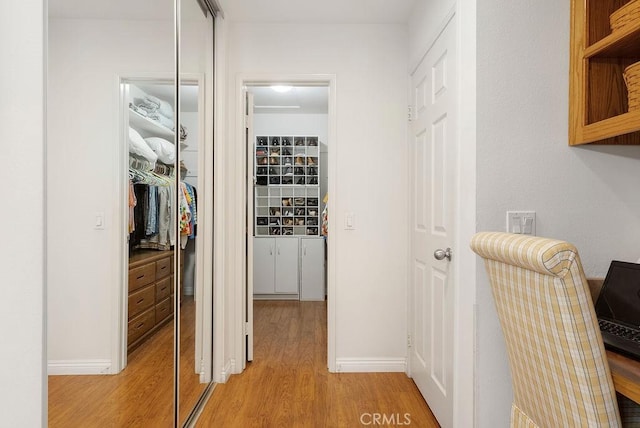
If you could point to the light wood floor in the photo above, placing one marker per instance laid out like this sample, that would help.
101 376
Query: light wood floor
288 384
139 396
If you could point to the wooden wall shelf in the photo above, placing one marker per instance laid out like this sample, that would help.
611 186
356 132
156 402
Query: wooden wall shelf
598 101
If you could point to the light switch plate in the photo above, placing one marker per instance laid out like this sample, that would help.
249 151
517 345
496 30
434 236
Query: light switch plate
522 222
98 222
349 221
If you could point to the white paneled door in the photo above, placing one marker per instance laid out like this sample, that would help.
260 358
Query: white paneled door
434 183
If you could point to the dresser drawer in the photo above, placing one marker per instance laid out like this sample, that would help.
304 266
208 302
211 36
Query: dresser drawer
141 300
164 309
163 267
141 324
141 276
164 288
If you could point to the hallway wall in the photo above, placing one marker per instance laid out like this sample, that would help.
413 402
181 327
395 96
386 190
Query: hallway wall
369 62
586 195
23 394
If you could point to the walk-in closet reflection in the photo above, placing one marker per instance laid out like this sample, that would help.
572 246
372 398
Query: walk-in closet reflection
129 294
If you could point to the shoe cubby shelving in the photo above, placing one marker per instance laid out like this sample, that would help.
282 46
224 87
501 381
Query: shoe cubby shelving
286 186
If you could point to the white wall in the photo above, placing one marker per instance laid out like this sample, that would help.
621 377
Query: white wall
23 394
85 59
369 62
292 124
587 195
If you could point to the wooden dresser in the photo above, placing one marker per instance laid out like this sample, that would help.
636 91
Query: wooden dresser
150 295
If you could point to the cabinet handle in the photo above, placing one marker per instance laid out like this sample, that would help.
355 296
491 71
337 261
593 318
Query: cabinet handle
304 249
140 325
140 277
140 301
271 250
278 249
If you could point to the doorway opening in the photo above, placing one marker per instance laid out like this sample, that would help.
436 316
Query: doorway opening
288 147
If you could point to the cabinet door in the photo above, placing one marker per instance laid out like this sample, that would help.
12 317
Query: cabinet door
286 265
263 265
312 269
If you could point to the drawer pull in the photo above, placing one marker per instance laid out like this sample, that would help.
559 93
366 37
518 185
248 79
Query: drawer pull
141 276
140 301
140 325
163 267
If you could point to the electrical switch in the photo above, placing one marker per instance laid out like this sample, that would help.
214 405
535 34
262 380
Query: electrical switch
99 221
349 221
523 222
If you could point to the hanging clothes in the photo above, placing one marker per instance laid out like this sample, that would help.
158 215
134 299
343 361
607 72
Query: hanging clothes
185 214
139 216
132 204
152 212
193 207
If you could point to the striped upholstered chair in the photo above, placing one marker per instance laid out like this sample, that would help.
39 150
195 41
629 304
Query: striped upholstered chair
559 368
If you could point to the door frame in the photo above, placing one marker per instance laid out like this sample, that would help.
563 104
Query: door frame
465 306
242 285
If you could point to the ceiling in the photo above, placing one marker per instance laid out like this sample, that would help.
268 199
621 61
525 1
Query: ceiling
299 100
138 10
315 11
294 11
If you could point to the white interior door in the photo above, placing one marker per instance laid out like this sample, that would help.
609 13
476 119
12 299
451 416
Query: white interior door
433 175
249 235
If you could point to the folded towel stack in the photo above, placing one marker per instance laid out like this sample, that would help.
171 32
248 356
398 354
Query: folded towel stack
155 109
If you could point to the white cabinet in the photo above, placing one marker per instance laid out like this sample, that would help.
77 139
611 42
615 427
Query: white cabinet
275 265
312 269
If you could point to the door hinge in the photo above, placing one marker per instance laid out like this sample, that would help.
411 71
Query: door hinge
246 328
408 341
409 113
246 121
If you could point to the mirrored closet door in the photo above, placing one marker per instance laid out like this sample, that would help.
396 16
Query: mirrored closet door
130 149
196 163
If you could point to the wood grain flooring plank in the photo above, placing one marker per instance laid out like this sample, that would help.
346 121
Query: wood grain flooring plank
288 383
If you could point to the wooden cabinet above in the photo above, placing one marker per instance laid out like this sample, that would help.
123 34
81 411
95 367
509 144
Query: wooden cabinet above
598 101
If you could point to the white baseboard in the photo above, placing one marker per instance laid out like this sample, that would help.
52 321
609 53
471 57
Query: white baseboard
79 367
371 365
226 372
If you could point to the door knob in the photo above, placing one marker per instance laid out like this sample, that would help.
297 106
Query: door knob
441 254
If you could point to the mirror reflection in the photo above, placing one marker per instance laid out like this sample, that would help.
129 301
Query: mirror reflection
128 213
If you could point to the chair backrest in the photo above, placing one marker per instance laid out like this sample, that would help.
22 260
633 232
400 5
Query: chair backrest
559 368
